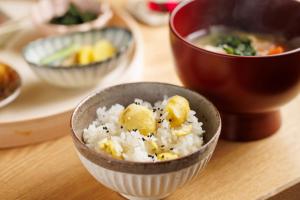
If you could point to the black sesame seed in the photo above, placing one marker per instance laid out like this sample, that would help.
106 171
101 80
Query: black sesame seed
153 109
107 131
170 120
171 149
155 154
121 126
160 114
162 156
143 139
150 156
162 146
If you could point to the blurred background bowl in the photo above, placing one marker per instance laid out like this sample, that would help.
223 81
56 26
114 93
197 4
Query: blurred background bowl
45 10
10 84
247 90
83 75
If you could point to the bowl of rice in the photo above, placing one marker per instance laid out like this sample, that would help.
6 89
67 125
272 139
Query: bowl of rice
144 140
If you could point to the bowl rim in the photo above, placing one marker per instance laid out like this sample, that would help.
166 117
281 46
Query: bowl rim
181 5
119 53
114 161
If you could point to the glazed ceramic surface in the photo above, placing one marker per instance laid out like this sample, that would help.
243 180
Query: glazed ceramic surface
78 76
144 180
247 90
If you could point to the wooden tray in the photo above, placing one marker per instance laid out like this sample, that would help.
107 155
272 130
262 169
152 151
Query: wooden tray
42 112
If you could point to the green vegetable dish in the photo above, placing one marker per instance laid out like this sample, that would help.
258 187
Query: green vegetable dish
74 16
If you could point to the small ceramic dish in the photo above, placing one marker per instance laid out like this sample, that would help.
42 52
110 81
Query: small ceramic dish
83 75
45 10
10 84
144 180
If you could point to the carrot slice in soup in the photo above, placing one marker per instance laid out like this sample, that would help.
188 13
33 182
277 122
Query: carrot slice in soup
276 50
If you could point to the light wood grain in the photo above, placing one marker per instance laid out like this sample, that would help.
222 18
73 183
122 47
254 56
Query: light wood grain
237 171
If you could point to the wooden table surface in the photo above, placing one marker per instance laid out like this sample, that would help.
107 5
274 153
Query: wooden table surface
254 170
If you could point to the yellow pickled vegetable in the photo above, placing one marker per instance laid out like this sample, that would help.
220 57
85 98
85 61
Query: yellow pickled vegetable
167 156
178 109
138 117
110 147
85 55
184 130
103 50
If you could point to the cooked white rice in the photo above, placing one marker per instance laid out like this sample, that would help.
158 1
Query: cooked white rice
132 145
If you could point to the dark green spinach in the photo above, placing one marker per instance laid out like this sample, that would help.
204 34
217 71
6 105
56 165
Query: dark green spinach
74 16
236 45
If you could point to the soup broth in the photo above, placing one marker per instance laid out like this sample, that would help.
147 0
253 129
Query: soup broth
226 40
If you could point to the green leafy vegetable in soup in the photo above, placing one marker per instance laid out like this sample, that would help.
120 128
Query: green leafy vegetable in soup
221 39
236 45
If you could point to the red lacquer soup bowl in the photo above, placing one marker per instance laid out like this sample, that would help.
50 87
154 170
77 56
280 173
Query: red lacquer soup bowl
248 90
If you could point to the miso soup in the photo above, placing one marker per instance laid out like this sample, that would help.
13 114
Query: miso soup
221 39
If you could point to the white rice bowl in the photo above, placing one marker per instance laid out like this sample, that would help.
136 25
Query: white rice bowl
132 145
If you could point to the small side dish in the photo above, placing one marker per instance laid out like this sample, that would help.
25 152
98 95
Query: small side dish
80 59
10 82
54 17
221 39
143 132
74 16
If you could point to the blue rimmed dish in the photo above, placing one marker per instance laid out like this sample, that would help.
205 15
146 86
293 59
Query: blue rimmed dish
83 75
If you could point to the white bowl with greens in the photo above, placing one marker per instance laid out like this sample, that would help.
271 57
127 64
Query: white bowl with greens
79 59
64 16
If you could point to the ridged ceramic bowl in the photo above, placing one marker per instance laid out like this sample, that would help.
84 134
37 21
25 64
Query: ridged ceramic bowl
144 180
45 10
84 75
